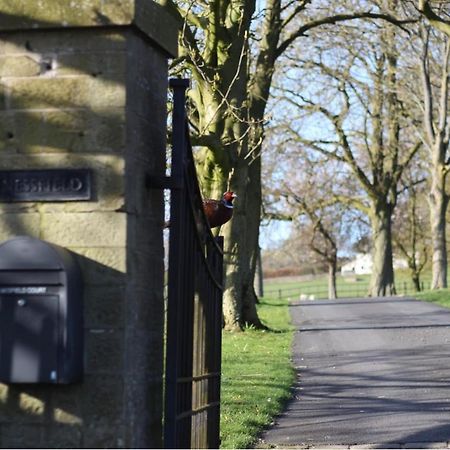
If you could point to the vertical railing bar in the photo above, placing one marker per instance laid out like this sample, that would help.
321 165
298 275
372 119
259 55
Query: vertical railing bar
209 350
176 248
218 346
187 325
193 326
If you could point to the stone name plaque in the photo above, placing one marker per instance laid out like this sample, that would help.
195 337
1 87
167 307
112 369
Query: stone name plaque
53 185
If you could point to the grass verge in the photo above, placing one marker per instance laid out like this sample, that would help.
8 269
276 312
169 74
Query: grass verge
257 376
441 297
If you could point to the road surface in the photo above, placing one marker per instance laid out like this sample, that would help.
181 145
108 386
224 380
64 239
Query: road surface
370 372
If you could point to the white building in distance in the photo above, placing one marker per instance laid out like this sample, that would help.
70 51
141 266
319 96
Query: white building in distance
362 265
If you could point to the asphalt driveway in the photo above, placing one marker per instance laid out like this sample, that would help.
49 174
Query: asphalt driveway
371 372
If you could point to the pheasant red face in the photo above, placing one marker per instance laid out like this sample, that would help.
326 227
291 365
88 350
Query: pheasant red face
228 198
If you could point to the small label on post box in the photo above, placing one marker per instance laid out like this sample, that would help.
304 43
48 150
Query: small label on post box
24 290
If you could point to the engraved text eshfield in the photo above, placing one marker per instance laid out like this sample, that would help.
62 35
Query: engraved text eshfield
55 185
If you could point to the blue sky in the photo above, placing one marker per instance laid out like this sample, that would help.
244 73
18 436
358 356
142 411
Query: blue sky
274 233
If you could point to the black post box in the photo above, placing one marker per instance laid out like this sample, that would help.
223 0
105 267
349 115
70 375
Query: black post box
41 313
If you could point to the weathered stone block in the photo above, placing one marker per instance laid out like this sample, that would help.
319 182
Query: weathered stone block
102 397
55 42
4 96
152 267
19 127
148 307
109 65
104 437
142 97
110 134
78 92
104 307
95 229
147 203
109 259
19 66
7 132
65 417
54 13
100 273
57 131
144 137
144 429
143 348
23 405
31 405
22 436
104 351
140 230
63 436
16 224
65 405
4 389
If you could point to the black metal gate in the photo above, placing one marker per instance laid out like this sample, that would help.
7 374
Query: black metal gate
194 310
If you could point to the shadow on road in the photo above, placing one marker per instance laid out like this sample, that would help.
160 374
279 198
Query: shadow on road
424 438
369 372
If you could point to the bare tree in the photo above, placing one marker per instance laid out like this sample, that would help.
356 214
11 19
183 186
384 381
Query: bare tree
410 226
375 150
306 198
322 239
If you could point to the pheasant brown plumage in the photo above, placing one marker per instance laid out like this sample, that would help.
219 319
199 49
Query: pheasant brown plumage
220 211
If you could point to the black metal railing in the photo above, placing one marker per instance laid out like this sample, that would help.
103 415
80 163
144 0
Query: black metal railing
194 305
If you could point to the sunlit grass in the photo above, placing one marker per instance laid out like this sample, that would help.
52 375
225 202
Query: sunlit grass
440 296
257 376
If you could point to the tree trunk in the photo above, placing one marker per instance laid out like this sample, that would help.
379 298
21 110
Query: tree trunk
414 270
382 279
438 208
332 292
416 281
241 241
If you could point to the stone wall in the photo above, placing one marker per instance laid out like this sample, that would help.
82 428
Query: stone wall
92 97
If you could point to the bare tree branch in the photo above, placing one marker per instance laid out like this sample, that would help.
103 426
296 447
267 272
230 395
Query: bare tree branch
333 20
427 92
437 21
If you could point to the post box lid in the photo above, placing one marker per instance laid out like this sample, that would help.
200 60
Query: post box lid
28 253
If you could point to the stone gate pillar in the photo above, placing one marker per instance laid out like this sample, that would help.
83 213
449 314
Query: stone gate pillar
83 85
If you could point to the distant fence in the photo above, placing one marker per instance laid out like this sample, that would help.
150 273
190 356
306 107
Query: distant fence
320 291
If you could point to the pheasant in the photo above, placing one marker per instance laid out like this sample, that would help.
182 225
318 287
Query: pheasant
220 211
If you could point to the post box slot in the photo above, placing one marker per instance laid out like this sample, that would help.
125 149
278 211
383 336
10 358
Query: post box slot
28 338
30 278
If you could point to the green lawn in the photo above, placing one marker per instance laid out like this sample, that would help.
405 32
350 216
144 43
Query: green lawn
347 286
441 297
257 376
